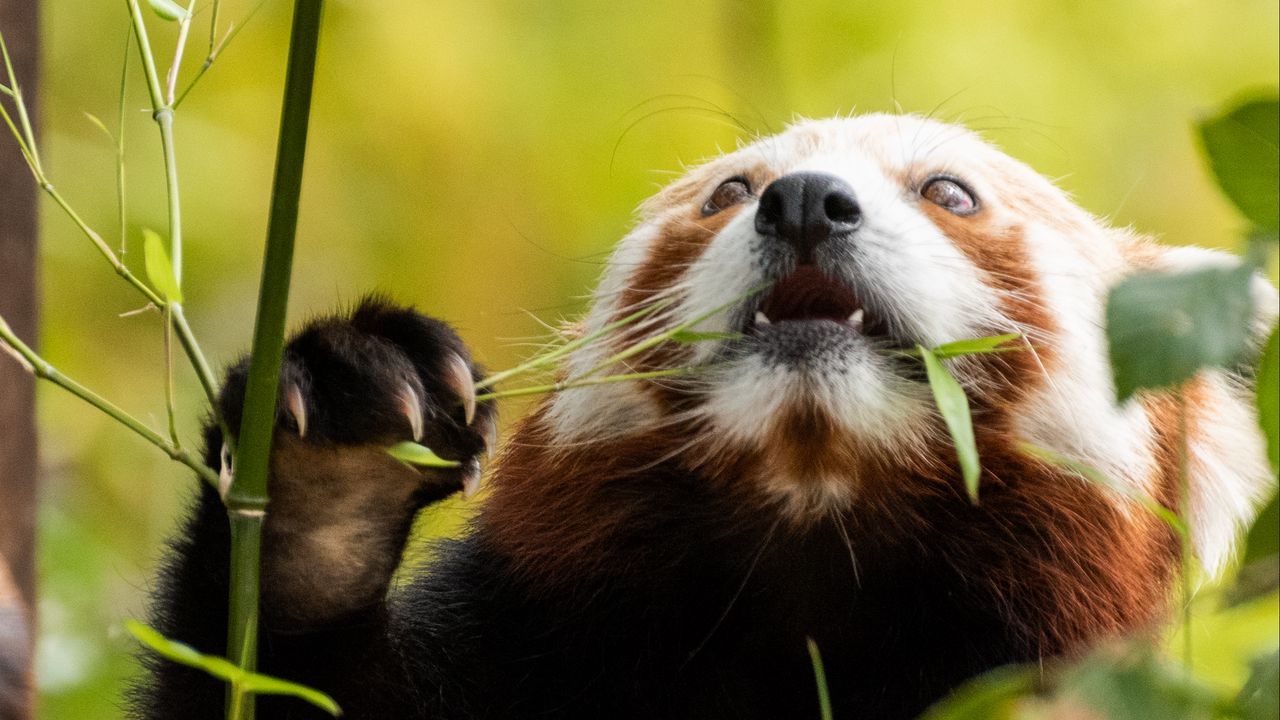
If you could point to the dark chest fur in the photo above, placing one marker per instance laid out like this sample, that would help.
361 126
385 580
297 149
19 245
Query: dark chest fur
710 621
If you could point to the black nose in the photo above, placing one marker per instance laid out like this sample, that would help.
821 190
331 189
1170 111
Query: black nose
805 209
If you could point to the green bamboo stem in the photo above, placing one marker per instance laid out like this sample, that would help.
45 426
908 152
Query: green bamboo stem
43 370
246 499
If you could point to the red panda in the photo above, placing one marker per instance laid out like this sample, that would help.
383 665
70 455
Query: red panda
663 548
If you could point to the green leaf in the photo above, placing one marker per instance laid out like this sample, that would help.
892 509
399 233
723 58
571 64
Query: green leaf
415 454
977 346
1260 697
820 677
159 269
99 124
1162 327
1140 685
1242 145
267 685
1268 394
989 696
954 407
226 671
690 336
1093 475
168 9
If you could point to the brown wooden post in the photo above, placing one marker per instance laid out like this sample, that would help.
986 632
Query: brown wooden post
19 23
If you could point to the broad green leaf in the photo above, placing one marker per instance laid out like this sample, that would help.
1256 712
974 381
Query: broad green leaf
159 269
1243 145
1162 327
168 9
690 336
1260 697
820 677
954 407
977 346
989 696
1142 686
225 670
1268 393
415 454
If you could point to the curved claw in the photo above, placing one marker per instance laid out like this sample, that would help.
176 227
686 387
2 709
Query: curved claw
411 406
297 408
458 377
471 478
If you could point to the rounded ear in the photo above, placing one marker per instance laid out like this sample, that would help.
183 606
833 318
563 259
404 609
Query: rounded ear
1227 465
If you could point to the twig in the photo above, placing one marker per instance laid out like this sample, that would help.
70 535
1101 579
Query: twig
43 370
184 28
215 51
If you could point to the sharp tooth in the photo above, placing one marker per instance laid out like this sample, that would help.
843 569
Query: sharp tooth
855 319
761 318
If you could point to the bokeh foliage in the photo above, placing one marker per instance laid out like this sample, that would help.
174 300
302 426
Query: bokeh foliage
480 158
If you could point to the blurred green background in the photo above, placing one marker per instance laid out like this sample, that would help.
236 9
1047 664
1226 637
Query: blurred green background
479 159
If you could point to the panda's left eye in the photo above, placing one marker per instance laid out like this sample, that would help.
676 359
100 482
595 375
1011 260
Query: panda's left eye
727 194
949 194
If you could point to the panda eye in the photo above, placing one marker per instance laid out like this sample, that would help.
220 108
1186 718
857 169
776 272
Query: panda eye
949 194
729 193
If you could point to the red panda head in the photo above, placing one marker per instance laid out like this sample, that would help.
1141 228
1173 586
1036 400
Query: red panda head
811 262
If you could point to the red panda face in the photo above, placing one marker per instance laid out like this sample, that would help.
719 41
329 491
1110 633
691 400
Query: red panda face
815 259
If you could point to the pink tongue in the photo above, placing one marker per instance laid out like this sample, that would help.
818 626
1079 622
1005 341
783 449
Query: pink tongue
808 294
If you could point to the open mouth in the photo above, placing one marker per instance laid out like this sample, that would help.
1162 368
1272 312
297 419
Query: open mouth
808 293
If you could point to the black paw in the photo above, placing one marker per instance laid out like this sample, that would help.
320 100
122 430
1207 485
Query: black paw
381 375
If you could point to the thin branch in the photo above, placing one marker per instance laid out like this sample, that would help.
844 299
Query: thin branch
23 117
184 29
215 51
169 404
121 207
41 368
204 372
213 30
185 337
162 113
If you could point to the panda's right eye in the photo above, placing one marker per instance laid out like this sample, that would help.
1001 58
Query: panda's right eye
731 192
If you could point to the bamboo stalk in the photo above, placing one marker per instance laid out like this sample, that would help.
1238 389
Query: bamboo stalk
246 499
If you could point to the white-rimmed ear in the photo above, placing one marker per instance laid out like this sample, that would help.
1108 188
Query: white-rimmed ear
1227 466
